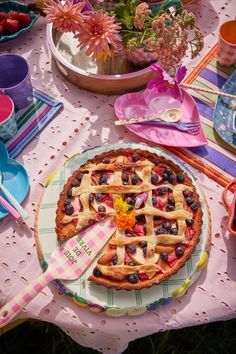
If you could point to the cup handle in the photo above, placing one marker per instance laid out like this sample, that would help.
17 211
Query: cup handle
224 195
167 4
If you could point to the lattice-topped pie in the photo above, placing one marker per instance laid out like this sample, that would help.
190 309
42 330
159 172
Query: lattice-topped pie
156 208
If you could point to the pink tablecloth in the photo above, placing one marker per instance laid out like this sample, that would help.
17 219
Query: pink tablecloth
87 120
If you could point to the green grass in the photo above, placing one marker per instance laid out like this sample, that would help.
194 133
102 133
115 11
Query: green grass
44 338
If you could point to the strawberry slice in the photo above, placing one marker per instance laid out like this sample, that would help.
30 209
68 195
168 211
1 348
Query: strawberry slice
11 26
138 230
24 19
3 16
1 29
13 15
172 258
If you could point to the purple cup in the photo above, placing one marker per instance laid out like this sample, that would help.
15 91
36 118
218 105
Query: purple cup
15 80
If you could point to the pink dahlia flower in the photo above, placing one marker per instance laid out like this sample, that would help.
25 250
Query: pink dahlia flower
65 17
99 34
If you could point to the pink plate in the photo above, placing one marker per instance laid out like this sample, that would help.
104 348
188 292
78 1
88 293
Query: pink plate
134 105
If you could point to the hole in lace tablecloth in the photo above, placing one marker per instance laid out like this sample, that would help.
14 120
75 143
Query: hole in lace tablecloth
7 282
5 265
46 311
22 263
103 323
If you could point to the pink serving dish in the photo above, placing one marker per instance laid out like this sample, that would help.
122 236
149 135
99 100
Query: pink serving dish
134 105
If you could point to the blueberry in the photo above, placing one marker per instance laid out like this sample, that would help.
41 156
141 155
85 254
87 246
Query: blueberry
102 179
168 171
125 183
154 200
154 178
143 244
171 201
164 256
165 176
135 157
145 251
167 225
140 218
114 260
106 160
189 222
101 209
132 264
180 177
69 209
134 179
174 231
179 251
172 178
129 201
96 272
155 161
133 278
157 218
67 202
91 198
145 228
131 249
187 193
189 200
194 206
170 207
128 234
69 193
125 177
76 183
98 197
161 230
162 191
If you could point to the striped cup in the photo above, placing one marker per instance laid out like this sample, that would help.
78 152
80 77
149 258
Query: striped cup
226 49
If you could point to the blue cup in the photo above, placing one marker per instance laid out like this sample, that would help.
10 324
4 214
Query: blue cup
15 80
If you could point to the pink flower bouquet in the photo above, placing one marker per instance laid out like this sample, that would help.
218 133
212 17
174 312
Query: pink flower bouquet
128 27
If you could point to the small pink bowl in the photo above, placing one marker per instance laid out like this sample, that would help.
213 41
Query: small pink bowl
231 207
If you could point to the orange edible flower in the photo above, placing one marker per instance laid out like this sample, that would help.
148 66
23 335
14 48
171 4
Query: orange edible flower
125 221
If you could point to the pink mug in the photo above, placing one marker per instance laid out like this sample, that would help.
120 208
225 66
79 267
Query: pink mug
231 207
226 49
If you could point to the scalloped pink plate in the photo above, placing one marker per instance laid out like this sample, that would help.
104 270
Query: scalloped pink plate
134 105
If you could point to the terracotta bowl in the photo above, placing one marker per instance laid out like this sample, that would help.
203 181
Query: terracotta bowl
115 76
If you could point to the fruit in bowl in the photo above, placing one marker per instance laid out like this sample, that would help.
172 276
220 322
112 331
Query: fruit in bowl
15 19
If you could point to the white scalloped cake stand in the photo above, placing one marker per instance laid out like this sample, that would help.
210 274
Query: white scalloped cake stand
99 298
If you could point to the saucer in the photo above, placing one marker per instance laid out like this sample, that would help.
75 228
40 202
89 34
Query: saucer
134 104
15 178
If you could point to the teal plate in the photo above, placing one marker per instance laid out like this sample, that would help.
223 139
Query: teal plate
15 178
225 112
8 6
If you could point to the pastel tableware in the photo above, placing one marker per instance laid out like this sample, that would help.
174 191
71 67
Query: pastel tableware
7 6
67 262
188 127
9 207
231 207
12 200
15 80
134 104
225 113
14 179
8 125
226 49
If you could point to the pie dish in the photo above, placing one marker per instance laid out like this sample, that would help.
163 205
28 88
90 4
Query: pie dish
156 208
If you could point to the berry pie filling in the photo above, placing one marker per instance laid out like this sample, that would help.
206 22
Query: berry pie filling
154 204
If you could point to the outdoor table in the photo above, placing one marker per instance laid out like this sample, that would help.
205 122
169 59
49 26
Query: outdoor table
87 120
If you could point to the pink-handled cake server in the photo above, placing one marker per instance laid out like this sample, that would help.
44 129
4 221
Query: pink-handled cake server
67 262
10 208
